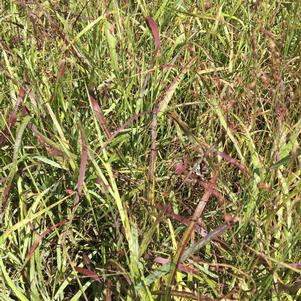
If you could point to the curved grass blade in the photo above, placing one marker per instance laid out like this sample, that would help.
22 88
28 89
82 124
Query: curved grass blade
164 269
163 101
167 94
49 162
11 283
12 119
40 238
217 109
81 292
111 40
85 30
187 234
26 220
83 162
82 171
100 117
286 159
51 147
155 32
14 168
88 273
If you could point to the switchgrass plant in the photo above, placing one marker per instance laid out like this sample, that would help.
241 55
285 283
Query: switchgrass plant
150 151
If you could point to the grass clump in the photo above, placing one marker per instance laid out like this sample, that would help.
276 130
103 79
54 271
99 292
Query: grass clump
150 152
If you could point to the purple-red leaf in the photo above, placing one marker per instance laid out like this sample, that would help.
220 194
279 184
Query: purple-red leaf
88 273
62 69
51 150
83 163
100 117
168 210
155 32
181 267
40 237
12 119
232 161
82 171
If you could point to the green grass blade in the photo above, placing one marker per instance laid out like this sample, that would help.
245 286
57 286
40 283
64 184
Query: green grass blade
111 40
17 292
